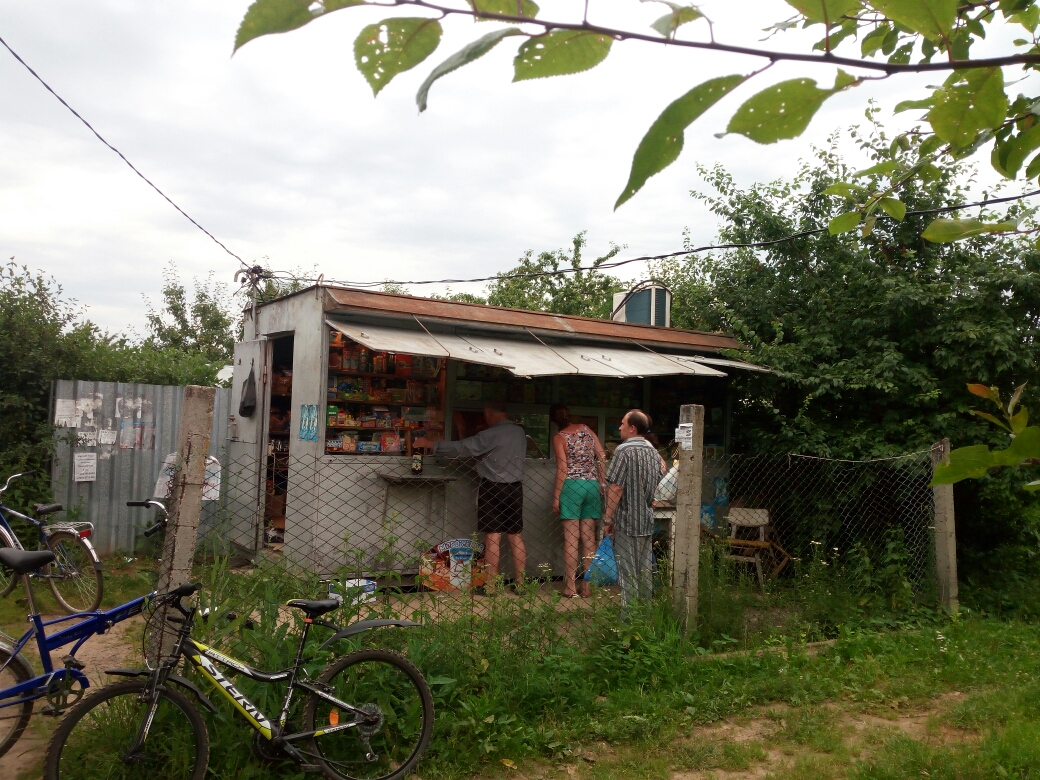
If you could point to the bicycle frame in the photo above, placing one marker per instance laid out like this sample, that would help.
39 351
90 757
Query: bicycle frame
82 530
202 658
91 623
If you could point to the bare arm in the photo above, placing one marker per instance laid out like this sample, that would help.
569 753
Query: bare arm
613 499
601 459
560 449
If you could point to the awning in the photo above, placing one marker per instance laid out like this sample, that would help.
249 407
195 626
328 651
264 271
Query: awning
534 357
723 362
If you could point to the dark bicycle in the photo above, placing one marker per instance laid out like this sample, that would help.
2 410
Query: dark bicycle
368 716
74 573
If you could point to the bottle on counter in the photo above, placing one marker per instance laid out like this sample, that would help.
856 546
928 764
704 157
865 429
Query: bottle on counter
417 459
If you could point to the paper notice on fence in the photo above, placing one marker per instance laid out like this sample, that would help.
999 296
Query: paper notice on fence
107 437
684 436
84 467
210 487
65 413
87 438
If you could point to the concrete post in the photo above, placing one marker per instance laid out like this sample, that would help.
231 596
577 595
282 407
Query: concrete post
945 534
686 538
185 504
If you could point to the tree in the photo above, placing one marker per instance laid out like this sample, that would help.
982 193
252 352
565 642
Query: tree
43 337
537 284
208 324
872 338
968 111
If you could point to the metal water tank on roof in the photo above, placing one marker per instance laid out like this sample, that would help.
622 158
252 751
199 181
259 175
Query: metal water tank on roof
646 304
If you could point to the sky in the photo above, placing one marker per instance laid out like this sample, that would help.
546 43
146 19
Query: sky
282 152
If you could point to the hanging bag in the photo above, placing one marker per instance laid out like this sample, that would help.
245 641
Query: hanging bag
247 405
603 569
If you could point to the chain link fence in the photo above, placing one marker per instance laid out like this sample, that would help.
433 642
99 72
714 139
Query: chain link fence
408 542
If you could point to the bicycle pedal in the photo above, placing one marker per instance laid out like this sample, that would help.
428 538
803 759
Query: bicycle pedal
51 710
71 662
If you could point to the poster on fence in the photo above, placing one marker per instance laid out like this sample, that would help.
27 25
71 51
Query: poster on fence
210 487
456 564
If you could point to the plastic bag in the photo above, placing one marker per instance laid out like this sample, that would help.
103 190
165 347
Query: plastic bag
668 487
248 403
603 569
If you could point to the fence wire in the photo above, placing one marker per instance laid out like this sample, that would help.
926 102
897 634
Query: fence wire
393 537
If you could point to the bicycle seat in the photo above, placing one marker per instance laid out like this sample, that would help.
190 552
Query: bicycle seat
42 510
314 608
24 561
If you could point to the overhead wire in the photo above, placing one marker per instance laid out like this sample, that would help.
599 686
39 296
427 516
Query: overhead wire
98 135
643 258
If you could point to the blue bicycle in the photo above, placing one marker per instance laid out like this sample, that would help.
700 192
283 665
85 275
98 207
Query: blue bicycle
74 574
63 685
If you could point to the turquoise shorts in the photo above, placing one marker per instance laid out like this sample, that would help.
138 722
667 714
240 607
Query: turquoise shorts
580 500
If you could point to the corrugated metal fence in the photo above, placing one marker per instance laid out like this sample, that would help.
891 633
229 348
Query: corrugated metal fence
121 433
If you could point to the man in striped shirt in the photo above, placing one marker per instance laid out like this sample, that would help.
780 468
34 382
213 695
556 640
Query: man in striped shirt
632 477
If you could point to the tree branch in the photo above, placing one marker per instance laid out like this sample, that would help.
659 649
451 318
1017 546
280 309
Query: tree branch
772 56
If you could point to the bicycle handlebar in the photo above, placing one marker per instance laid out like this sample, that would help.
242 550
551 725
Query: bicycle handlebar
152 503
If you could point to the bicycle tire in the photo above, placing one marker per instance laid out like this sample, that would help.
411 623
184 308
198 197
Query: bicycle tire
15 718
91 742
82 591
384 680
8 579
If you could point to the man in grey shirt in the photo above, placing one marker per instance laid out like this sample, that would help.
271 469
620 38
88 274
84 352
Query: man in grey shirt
500 450
632 476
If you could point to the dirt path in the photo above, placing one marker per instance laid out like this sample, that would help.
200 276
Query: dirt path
116 648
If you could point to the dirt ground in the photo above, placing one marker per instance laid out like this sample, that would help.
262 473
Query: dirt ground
116 648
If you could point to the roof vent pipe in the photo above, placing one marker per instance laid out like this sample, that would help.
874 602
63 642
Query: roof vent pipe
647 303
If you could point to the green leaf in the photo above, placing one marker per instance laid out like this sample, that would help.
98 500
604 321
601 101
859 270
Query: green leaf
985 391
1017 149
392 46
680 15
969 101
464 56
266 17
559 53
504 8
844 223
783 110
850 191
868 225
1016 395
663 142
934 19
1032 486
943 231
1033 168
873 40
909 105
1025 446
894 208
829 11
1020 420
964 463
881 168
990 418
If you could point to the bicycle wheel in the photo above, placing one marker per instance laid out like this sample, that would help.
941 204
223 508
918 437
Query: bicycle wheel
399 705
8 579
93 739
76 584
15 718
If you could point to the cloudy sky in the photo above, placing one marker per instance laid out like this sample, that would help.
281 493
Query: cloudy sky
282 152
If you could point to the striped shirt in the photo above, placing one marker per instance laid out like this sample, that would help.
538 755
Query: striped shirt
636 467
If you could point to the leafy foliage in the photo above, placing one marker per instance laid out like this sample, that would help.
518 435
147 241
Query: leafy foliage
207 325
43 338
969 111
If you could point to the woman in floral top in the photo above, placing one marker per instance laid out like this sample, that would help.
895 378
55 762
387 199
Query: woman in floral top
580 476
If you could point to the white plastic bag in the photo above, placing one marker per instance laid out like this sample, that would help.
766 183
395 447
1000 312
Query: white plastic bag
668 487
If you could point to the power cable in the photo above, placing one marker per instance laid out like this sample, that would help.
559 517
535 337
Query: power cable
121 155
645 258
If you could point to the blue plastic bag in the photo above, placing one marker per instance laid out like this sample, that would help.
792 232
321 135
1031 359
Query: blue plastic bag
603 569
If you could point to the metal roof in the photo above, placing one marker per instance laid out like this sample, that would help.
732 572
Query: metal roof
475 315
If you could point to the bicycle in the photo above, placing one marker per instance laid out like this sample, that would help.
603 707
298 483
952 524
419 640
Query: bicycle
63 687
368 716
74 574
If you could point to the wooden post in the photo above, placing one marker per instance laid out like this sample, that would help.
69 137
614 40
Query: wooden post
185 504
686 539
945 534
